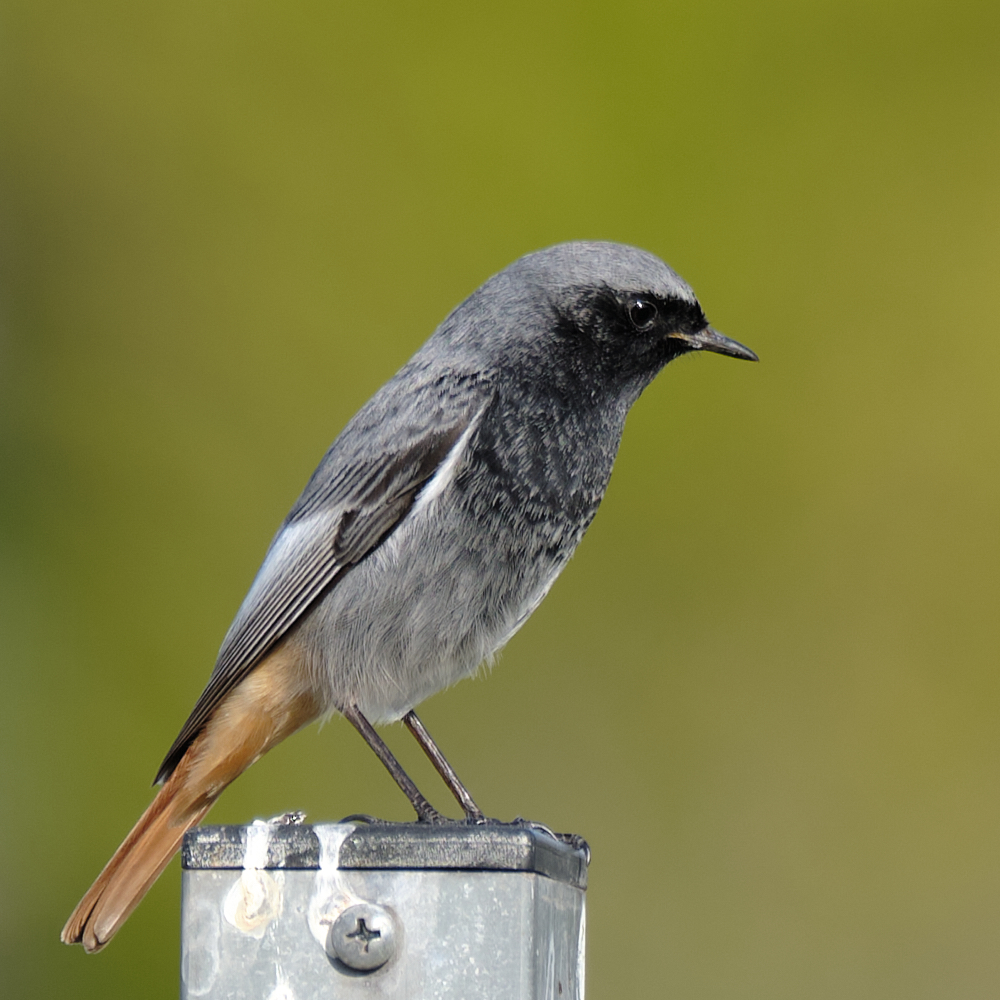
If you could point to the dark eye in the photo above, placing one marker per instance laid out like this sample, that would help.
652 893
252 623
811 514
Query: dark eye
642 313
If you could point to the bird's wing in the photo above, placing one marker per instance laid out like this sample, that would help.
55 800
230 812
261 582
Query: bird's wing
350 506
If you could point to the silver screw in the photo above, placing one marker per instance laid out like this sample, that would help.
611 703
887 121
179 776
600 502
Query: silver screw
363 937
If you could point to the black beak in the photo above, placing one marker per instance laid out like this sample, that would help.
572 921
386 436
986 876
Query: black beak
711 340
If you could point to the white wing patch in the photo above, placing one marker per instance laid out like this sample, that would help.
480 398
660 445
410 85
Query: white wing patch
435 486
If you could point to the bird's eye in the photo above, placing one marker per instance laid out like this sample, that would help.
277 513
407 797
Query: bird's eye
642 313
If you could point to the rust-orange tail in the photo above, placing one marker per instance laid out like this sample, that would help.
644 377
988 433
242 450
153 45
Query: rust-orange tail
273 702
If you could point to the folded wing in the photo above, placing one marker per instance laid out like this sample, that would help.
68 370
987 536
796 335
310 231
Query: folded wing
349 508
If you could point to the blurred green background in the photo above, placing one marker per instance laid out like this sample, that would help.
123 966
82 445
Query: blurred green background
766 689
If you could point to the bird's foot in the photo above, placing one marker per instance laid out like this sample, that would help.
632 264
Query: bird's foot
426 813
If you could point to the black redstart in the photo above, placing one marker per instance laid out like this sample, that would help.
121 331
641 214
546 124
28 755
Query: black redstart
433 527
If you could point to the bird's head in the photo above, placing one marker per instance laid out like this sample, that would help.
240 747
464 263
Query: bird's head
597 313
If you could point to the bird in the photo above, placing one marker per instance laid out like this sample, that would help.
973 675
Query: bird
432 528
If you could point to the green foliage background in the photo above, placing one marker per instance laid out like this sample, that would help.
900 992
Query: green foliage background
766 689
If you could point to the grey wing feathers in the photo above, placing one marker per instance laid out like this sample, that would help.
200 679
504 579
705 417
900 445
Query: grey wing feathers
336 522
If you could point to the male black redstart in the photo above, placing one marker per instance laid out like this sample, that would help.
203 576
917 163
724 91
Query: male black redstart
433 527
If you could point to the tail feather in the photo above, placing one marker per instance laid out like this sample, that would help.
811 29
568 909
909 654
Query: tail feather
273 702
135 866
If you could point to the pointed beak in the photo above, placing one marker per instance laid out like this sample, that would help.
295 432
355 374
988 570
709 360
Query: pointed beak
711 340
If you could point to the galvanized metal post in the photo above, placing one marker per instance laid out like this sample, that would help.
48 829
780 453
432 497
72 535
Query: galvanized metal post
286 911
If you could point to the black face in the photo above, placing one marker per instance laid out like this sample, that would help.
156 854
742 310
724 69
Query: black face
628 333
647 313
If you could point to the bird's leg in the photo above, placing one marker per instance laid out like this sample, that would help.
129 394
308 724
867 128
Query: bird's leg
426 813
472 812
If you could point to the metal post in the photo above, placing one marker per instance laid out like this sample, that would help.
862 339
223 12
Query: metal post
286 911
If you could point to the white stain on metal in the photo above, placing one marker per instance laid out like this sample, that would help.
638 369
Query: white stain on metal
331 894
256 898
283 990
581 949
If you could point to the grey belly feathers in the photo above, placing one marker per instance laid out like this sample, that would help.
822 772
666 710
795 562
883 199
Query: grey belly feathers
438 598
